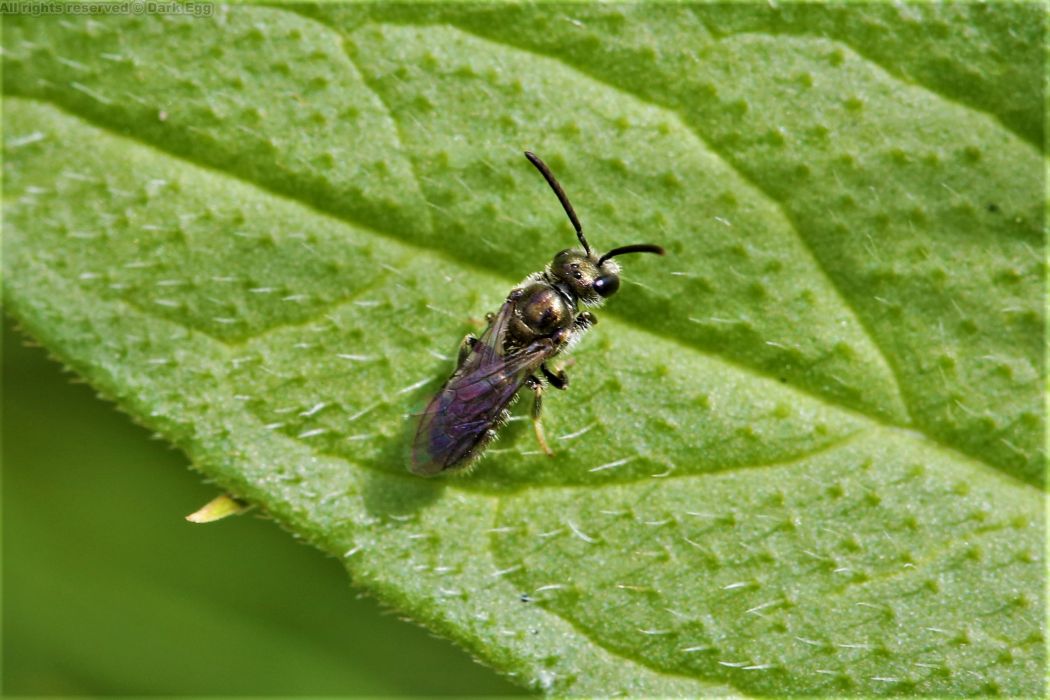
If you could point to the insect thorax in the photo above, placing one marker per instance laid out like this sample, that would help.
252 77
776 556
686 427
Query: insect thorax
540 311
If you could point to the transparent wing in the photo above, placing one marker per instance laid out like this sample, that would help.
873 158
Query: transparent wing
456 423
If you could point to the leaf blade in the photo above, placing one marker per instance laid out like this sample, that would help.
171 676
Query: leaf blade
304 364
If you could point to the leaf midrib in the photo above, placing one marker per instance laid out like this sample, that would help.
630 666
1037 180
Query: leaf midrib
465 263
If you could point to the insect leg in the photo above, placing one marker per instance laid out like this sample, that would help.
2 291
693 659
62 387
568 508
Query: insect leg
537 405
558 380
469 341
585 320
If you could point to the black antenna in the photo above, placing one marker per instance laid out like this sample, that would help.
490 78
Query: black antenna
636 248
546 172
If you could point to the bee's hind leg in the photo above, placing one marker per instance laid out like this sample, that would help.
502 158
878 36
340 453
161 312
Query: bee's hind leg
469 341
537 406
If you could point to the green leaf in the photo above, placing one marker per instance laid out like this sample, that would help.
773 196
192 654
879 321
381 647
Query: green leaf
801 454
108 592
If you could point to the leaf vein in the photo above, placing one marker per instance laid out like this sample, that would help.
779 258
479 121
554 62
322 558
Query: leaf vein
727 360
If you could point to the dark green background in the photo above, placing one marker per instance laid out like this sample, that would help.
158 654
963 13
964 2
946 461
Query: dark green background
107 590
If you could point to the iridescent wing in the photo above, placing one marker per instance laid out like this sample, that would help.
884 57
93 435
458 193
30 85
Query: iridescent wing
462 417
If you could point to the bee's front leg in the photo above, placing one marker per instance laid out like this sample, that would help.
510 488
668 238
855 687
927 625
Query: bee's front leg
537 405
584 320
558 380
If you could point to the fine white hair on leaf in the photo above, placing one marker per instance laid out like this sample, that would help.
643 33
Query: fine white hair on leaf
611 465
713 319
355 358
361 412
578 433
551 587
579 533
811 642
815 555
504 572
737 585
20 141
634 588
937 629
93 94
755 610
413 387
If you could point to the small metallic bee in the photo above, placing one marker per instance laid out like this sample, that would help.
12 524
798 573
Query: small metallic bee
539 319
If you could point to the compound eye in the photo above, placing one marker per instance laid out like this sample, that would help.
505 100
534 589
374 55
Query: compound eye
606 285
